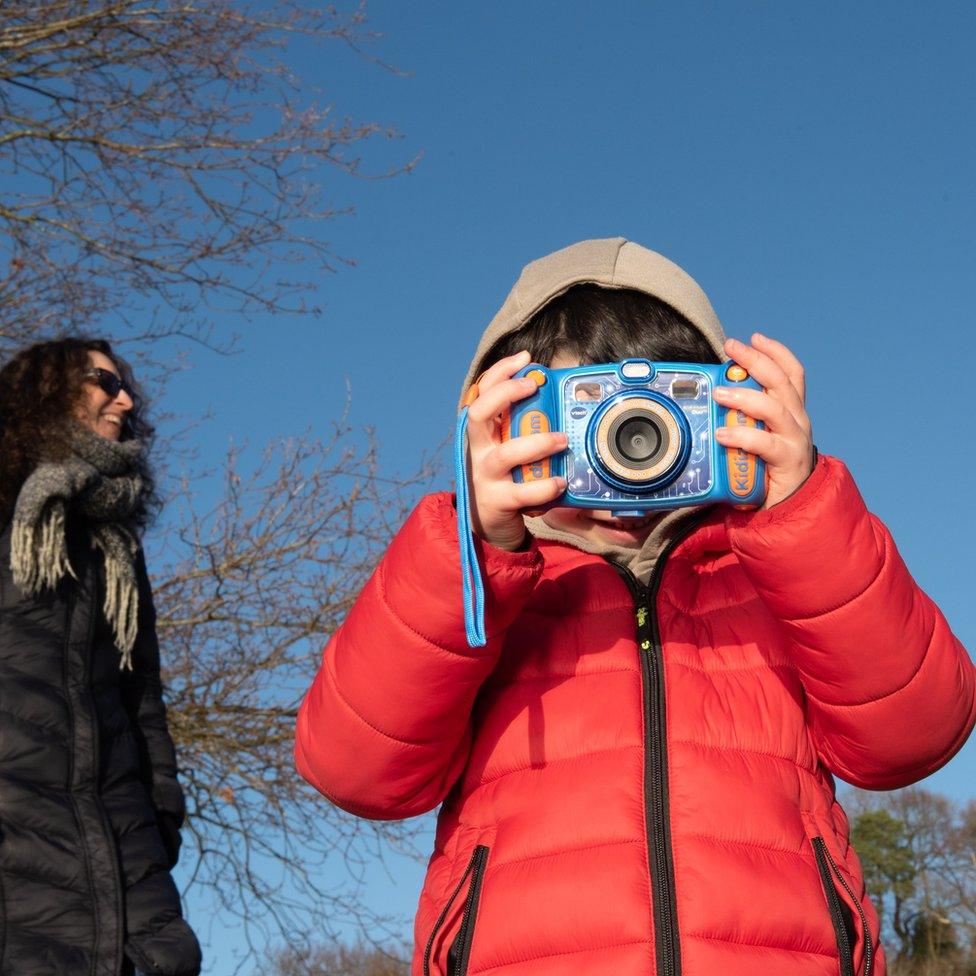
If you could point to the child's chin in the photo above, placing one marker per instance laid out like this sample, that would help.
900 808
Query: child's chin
621 534
630 533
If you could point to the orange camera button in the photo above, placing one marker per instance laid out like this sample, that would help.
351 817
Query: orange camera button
737 373
537 375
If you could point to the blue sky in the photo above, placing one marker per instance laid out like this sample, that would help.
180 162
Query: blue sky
810 165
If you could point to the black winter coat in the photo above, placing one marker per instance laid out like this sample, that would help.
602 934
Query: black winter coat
90 807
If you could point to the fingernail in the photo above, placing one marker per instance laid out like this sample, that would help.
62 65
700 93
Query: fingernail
758 335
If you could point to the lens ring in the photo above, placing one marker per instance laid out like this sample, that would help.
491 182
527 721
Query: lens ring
633 411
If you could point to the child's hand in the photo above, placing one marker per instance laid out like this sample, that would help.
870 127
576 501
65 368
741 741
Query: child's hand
786 445
496 500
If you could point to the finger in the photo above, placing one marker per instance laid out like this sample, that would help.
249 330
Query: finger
760 406
763 443
503 369
489 404
532 494
769 374
522 450
784 358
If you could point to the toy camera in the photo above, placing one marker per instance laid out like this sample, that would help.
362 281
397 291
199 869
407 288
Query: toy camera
641 435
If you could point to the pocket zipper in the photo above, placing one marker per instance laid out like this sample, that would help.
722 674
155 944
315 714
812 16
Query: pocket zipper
828 870
460 951
476 865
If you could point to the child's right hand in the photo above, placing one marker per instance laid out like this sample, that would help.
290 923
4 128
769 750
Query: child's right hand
496 500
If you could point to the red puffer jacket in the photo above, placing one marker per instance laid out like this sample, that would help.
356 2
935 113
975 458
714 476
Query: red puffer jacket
638 781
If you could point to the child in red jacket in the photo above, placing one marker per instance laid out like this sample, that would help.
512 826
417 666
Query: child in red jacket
636 770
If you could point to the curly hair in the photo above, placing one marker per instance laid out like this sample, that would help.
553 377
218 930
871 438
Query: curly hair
39 389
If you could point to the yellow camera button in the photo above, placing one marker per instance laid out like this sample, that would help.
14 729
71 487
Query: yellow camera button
537 375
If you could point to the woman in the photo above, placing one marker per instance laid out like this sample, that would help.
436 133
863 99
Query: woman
90 806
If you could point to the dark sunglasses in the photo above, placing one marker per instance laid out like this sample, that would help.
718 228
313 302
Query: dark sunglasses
108 381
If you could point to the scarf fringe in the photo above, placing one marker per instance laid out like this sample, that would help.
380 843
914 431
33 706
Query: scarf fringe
39 550
38 553
122 609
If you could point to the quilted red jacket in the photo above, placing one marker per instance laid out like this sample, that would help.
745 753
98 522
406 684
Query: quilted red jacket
636 780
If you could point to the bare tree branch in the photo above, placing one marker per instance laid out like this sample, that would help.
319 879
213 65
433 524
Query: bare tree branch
161 154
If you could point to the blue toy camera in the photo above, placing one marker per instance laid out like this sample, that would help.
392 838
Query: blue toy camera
641 435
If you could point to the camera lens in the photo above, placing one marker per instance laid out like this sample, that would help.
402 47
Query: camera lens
639 442
637 439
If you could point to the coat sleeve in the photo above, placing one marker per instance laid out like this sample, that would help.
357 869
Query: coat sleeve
891 693
385 729
143 698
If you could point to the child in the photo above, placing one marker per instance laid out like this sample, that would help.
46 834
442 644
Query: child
636 770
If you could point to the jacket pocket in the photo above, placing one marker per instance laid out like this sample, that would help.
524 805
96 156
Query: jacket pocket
840 899
460 950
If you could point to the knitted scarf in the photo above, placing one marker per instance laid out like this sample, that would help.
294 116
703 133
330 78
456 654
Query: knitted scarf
99 481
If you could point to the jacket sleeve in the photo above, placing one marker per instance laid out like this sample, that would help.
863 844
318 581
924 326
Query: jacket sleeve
891 693
385 729
143 698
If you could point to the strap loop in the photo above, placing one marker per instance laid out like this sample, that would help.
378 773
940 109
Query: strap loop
473 592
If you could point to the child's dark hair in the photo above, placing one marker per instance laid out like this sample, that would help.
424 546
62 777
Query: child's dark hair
605 325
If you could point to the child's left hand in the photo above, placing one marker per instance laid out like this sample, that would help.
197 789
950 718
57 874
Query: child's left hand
786 445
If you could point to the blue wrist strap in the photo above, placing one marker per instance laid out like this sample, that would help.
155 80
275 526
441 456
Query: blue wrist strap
473 591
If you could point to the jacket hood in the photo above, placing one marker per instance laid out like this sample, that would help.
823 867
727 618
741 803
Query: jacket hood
612 263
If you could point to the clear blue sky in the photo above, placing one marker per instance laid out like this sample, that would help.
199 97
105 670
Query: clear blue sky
811 165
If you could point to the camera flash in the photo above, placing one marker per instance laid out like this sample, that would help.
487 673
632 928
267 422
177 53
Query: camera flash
635 370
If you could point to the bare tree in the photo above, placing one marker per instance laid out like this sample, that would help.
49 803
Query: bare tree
918 850
161 159
162 165
252 589
339 960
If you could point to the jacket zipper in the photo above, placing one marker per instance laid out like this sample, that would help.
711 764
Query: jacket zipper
69 611
656 801
479 857
95 608
460 951
828 870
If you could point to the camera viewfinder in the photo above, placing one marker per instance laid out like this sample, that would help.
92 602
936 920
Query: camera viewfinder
685 390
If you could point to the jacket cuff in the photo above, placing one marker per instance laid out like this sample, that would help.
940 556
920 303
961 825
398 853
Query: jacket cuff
805 494
815 550
421 576
167 797
169 832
